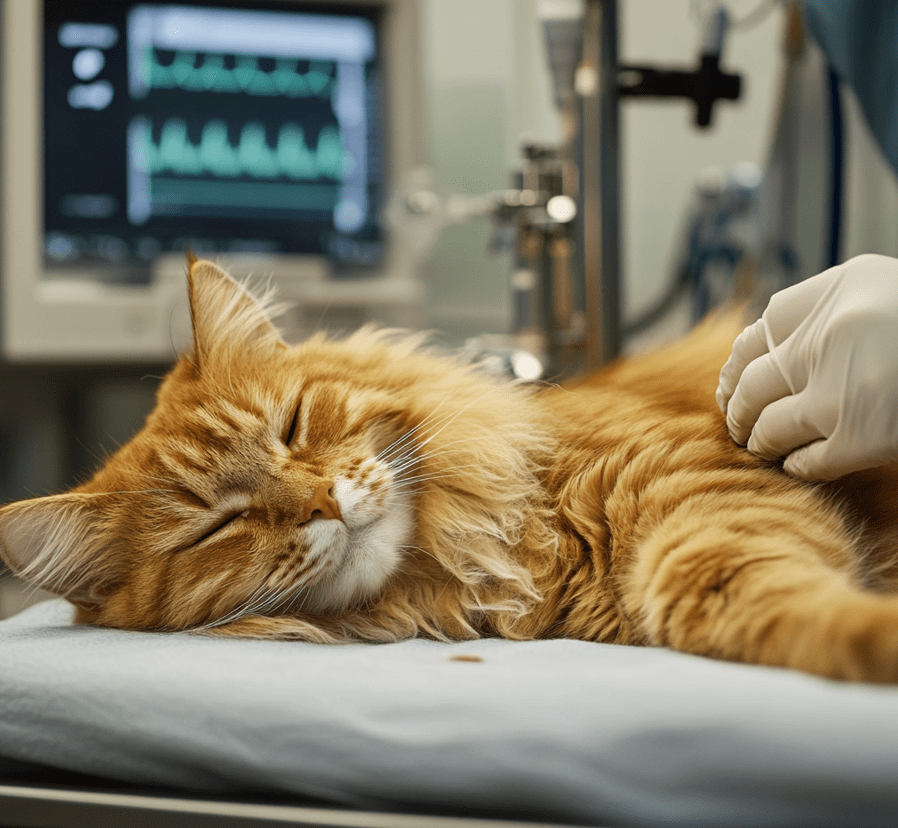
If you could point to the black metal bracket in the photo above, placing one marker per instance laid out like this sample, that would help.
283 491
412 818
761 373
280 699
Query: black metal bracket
705 86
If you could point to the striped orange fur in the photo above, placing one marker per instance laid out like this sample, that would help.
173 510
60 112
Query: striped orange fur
367 489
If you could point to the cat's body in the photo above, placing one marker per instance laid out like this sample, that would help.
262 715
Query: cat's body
365 490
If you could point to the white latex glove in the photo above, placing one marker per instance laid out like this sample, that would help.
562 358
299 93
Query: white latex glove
815 379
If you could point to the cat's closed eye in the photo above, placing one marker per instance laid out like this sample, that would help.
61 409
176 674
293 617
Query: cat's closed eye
293 425
220 526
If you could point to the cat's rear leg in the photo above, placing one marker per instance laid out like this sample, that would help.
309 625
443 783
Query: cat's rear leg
768 585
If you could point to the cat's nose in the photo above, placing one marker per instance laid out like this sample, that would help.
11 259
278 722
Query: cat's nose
322 504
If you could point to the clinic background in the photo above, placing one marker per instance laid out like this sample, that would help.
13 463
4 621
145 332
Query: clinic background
485 89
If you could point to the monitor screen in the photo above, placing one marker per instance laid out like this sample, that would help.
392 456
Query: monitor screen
217 127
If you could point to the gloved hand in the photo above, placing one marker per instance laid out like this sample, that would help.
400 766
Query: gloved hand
815 379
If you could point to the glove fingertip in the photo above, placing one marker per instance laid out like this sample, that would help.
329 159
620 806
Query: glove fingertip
810 463
722 399
759 446
748 346
726 383
740 434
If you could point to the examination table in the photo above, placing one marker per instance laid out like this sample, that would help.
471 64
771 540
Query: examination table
562 732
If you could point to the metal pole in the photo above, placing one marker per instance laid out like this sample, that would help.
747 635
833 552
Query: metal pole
600 185
609 140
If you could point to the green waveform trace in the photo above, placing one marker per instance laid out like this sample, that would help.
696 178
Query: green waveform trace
211 75
291 157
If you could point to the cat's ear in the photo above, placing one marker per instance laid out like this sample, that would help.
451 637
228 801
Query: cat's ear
225 315
56 543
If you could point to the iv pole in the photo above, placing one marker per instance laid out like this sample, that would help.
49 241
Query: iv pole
600 213
601 84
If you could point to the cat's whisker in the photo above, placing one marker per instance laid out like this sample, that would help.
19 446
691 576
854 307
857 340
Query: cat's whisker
412 473
443 425
421 549
399 470
411 458
235 615
402 443
244 608
443 422
412 455
411 481
161 479
139 491
430 474
264 601
413 489
414 461
171 481
401 488
287 595
298 595
416 447
254 605
411 492
384 454
398 444
436 474
302 595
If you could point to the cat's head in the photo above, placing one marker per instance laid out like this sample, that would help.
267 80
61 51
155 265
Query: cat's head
265 477
275 480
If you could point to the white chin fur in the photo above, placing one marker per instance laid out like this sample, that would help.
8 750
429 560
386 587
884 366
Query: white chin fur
369 543
372 557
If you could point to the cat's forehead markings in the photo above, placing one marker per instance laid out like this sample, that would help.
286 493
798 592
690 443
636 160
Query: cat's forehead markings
222 421
359 410
325 412
229 416
212 439
244 409
260 402
178 456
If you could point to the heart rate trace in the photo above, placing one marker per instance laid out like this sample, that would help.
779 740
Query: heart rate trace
212 74
291 157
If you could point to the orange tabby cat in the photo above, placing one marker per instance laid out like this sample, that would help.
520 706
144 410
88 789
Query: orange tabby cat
364 489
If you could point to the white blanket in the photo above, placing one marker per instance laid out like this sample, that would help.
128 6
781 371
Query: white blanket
557 730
